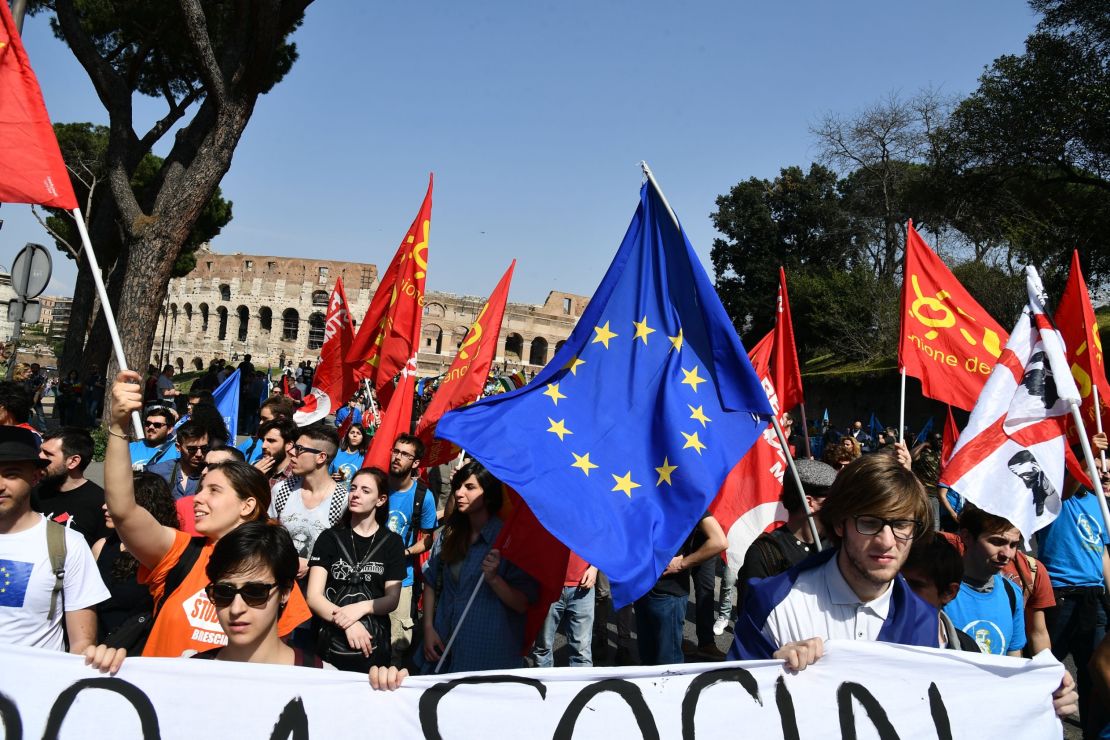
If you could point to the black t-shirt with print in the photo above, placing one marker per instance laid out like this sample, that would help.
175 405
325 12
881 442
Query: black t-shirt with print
81 509
332 552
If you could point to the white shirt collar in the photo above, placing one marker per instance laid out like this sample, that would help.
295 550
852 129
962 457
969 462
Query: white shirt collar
840 592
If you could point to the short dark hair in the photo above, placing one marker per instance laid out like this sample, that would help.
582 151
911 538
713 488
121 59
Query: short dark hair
411 439
210 418
937 559
235 452
75 441
976 521
285 427
169 416
203 397
321 432
252 544
191 429
280 406
14 398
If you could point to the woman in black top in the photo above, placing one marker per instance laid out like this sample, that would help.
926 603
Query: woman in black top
354 578
119 569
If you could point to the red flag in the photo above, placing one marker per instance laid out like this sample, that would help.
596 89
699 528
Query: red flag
785 370
533 549
396 420
948 439
334 383
31 166
390 333
748 502
948 341
467 376
285 384
1075 318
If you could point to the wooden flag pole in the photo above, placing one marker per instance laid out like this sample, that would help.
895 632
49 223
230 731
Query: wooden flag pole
106 307
1092 470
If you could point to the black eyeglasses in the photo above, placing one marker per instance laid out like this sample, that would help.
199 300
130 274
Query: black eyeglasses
403 455
903 529
194 449
254 594
299 448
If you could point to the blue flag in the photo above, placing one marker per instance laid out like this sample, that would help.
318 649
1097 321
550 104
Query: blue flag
268 386
227 402
622 441
921 436
874 427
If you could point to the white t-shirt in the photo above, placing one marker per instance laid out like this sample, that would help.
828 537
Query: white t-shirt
304 524
822 604
26 581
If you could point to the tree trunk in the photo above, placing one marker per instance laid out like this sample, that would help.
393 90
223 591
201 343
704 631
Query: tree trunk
84 295
99 346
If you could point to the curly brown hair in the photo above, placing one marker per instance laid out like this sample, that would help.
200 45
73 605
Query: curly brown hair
153 494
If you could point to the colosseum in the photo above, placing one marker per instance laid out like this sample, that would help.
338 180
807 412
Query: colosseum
273 309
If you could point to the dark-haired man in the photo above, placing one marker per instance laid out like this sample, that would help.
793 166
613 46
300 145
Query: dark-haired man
274 408
65 495
157 443
277 438
412 515
934 570
183 474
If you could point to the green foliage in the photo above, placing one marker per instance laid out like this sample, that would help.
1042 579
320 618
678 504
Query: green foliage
100 442
1000 292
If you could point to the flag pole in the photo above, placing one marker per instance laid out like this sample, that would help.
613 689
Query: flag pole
459 624
902 407
774 418
105 306
797 480
1092 470
805 429
1098 420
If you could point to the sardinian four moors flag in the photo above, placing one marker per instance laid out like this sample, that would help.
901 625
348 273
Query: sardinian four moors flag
748 502
948 341
390 333
1009 460
334 383
31 165
465 379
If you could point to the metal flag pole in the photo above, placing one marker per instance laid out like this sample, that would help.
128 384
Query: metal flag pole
902 408
459 624
1092 470
106 307
774 419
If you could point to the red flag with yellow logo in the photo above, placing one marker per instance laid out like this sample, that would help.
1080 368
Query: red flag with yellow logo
390 332
31 165
948 341
467 376
1075 319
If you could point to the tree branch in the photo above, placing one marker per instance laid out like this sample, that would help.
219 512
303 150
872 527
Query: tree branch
177 110
61 240
196 28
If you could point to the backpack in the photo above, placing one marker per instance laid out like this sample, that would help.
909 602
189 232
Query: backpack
1011 594
417 513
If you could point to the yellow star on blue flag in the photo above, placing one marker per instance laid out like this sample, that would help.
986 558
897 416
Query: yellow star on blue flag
691 398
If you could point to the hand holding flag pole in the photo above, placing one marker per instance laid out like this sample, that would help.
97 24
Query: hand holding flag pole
774 417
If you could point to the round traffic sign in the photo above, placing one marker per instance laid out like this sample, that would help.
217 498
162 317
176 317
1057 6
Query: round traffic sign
31 271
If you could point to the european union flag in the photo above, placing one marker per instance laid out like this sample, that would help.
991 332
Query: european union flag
14 577
622 441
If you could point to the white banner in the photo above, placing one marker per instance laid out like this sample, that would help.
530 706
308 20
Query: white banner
858 690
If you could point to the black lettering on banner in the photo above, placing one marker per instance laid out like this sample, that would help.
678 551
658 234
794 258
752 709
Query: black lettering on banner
940 713
626 690
292 722
703 682
428 708
844 696
9 715
148 718
788 718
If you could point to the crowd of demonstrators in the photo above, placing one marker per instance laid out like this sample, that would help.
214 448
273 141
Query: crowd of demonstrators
355 576
352 451
65 495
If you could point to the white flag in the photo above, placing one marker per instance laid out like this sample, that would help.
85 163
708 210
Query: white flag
1009 460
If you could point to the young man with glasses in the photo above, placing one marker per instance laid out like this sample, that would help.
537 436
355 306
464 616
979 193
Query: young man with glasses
157 444
183 474
412 515
311 501
874 510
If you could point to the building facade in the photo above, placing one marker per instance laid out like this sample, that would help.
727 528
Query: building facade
273 308
55 314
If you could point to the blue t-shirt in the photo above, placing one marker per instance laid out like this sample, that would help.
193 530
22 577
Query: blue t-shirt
400 516
142 455
987 617
1072 546
347 463
252 455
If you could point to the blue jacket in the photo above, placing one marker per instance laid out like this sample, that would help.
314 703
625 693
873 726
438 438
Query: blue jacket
910 620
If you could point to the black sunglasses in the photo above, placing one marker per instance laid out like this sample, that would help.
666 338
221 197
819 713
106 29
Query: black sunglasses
254 594
194 449
156 424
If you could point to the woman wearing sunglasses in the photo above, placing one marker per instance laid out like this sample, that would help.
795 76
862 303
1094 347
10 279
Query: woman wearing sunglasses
354 578
173 563
251 576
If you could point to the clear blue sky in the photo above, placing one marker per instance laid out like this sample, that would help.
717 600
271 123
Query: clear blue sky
534 117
